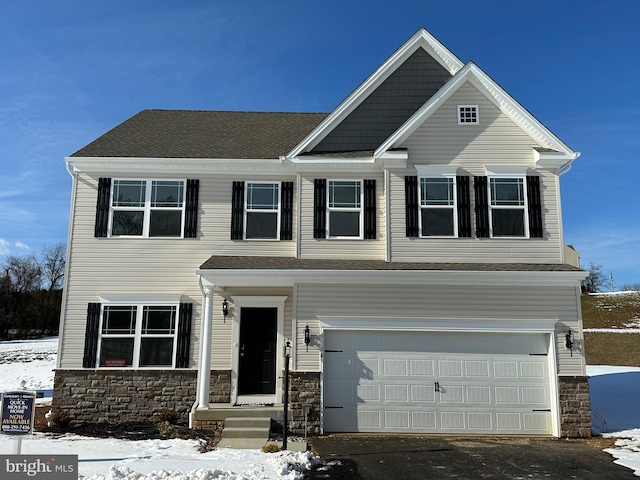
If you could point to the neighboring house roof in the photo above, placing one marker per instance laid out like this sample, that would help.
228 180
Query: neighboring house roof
220 262
204 134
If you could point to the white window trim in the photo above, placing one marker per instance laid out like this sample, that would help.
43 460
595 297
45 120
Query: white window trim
438 171
524 208
137 335
147 206
459 110
341 209
246 210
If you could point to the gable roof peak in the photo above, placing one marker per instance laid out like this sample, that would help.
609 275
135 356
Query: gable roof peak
449 63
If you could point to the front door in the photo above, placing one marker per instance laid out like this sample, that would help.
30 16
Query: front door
257 350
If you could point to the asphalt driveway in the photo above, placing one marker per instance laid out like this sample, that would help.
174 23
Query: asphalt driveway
368 457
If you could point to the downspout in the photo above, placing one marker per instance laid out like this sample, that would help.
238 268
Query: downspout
204 359
67 263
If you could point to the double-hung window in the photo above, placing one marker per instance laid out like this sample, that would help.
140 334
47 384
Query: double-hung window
508 207
262 212
138 336
344 212
438 207
147 208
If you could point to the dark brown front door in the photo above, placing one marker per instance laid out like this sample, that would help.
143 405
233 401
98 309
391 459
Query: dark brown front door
257 364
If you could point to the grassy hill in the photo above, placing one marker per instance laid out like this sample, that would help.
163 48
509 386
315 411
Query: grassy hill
612 311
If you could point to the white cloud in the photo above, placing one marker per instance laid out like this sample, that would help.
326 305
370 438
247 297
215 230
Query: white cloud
4 246
24 246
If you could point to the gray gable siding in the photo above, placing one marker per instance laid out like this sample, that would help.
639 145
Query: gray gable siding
389 106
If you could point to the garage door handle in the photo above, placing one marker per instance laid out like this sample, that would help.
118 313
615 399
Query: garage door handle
328 406
333 351
541 410
436 386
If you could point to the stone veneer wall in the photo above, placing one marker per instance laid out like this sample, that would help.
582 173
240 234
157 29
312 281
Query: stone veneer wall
575 407
304 389
121 396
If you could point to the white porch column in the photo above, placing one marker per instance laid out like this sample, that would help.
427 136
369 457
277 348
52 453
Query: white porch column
204 366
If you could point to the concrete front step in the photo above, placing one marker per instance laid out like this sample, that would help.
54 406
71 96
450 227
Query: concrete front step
247 427
248 422
221 411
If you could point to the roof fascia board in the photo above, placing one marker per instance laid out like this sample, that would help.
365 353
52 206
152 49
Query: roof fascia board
421 38
182 166
494 93
277 277
175 165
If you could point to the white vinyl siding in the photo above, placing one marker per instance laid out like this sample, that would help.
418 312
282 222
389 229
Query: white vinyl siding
496 141
341 248
155 265
435 303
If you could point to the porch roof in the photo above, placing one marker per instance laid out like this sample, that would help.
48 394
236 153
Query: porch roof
222 262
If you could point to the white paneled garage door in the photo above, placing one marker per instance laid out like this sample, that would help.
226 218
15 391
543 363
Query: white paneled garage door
436 382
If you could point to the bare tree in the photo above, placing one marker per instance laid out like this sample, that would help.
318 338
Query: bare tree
24 273
595 278
631 287
52 261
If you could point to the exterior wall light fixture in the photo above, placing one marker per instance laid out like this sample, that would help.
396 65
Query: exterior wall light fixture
307 336
225 309
569 341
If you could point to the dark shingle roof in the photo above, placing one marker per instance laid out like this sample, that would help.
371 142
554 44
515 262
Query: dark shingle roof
204 134
219 262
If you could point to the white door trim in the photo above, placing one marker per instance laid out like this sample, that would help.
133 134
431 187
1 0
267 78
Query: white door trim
261 301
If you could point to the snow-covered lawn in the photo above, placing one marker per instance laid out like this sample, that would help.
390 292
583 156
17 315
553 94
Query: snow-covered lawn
614 398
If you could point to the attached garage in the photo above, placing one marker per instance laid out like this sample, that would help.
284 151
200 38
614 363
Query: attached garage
454 382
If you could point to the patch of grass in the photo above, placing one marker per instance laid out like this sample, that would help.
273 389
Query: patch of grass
612 349
611 311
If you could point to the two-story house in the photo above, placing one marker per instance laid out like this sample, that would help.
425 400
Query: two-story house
408 246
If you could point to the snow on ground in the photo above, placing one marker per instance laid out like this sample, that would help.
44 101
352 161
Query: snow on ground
614 399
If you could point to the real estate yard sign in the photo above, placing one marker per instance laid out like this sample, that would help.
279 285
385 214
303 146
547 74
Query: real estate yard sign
17 413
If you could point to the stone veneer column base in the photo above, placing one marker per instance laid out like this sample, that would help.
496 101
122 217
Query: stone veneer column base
304 389
123 396
575 407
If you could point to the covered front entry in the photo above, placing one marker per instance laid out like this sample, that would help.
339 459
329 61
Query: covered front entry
258 339
257 351
438 382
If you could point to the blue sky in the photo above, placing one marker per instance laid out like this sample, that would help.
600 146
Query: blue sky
71 70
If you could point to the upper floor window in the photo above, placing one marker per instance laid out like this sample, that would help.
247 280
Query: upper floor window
438 207
137 336
344 212
468 115
262 210
508 212
147 208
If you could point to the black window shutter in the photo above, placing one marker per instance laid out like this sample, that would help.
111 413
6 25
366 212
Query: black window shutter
464 206
319 208
91 336
184 335
191 209
369 209
411 203
102 207
237 211
535 207
286 213
482 206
